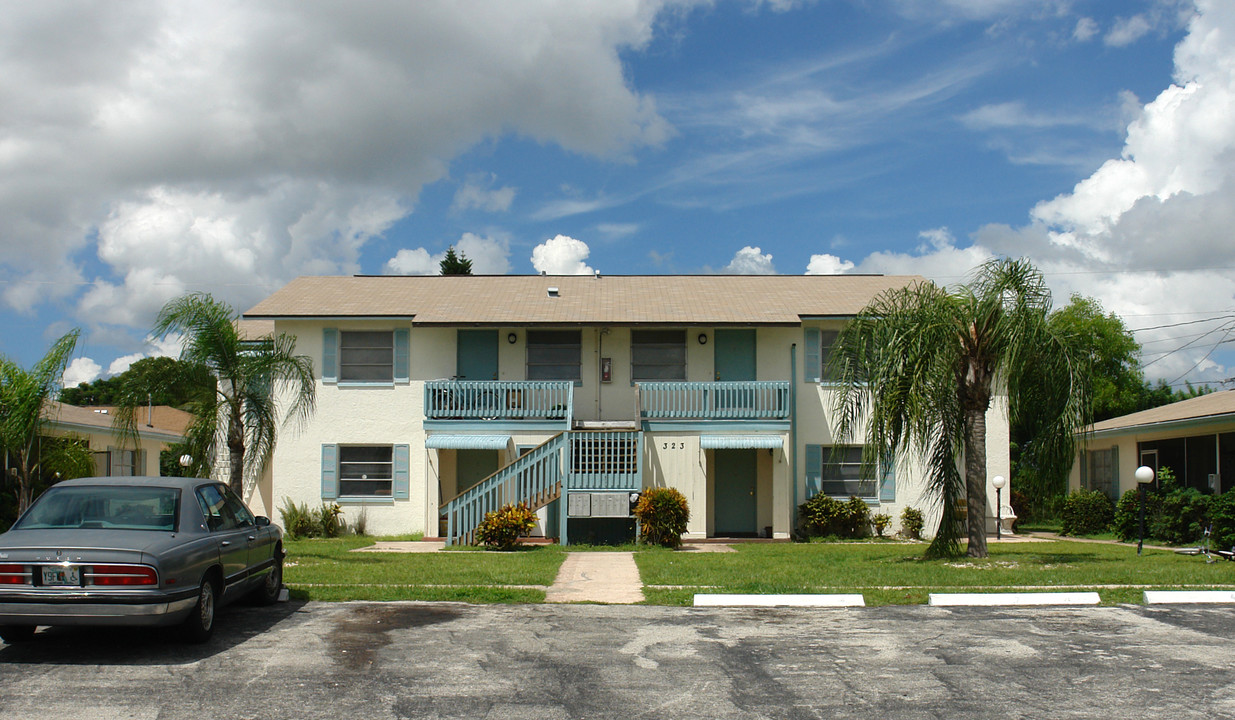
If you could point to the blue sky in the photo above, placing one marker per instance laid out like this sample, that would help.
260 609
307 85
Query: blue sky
230 148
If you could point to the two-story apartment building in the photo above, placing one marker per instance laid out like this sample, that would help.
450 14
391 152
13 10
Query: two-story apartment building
441 397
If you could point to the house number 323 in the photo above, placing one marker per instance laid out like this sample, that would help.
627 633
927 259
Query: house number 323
673 446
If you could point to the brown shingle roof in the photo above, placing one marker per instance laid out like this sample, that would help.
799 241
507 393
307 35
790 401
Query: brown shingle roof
165 419
581 299
1212 405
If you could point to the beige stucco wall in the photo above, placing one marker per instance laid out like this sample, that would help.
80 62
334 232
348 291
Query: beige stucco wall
1127 442
393 414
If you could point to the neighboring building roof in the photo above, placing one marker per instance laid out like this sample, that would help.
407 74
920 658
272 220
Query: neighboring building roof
1214 406
580 299
254 329
164 419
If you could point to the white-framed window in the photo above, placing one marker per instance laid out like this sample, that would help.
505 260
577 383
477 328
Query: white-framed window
657 355
366 356
1101 472
366 471
115 463
554 355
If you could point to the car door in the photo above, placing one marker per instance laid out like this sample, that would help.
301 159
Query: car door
262 541
229 535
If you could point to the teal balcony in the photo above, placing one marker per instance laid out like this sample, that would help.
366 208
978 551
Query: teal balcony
499 400
742 400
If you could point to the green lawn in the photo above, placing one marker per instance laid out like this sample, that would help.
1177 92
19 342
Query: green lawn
896 574
321 569
885 573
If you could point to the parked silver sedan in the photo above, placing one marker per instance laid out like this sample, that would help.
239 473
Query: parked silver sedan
144 551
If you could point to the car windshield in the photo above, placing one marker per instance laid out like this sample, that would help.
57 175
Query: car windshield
104 507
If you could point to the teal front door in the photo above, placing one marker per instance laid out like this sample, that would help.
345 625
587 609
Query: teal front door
735 355
476 355
733 494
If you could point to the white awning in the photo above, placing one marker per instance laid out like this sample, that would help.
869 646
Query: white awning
741 442
467 442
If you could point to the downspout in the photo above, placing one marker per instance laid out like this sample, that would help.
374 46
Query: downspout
793 435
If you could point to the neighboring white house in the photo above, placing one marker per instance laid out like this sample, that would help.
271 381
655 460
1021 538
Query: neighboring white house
159 427
1195 438
579 390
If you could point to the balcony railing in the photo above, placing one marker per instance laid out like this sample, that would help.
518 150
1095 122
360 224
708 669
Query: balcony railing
499 400
749 400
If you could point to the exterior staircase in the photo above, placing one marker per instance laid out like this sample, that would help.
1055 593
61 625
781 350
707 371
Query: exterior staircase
571 461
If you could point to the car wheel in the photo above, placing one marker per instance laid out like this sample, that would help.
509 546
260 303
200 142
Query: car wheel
199 625
268 592
16 633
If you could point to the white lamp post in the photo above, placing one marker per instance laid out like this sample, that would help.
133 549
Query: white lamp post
185 461
999 481
1144 476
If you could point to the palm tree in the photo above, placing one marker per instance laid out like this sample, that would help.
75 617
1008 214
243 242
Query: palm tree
243 383
24 414
918 368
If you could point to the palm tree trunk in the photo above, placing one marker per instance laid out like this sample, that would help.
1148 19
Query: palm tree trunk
235 453
975 481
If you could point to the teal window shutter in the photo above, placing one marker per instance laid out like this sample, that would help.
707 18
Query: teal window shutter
139 466
402 460
1084 460
813 363
814 470
1114 471
887 480
402 355
330 354
330 472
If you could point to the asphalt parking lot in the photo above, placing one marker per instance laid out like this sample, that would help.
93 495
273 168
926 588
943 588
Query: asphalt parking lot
443 660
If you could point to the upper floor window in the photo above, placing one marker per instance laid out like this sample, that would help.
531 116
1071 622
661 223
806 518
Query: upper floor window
819 344
366 356
554 355
657 355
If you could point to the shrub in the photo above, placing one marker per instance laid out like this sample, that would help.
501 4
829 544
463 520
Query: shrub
662 515
326 518
1183 517
823 515
1127 514
297 520
502 528
1087 512
881 521
912 523
1222 516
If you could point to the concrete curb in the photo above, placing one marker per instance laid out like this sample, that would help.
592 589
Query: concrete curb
805 600
1013 599
1172 597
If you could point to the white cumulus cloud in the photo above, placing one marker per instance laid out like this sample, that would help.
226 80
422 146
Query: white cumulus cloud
561 255
231 146
750 261
1148 233
489 255
80 370
827 264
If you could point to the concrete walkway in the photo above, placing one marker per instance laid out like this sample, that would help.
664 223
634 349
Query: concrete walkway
600 577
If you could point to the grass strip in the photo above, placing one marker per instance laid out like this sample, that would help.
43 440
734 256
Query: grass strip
897 575
327 569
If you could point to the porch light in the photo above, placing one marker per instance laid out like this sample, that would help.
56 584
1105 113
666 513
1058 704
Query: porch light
1144 476
703 338
999 481
512 338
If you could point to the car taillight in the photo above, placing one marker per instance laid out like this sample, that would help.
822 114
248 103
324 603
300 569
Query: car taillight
14 575
121 575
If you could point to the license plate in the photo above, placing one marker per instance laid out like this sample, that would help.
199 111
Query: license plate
54 575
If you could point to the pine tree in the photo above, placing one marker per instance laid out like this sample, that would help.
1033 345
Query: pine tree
455 264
